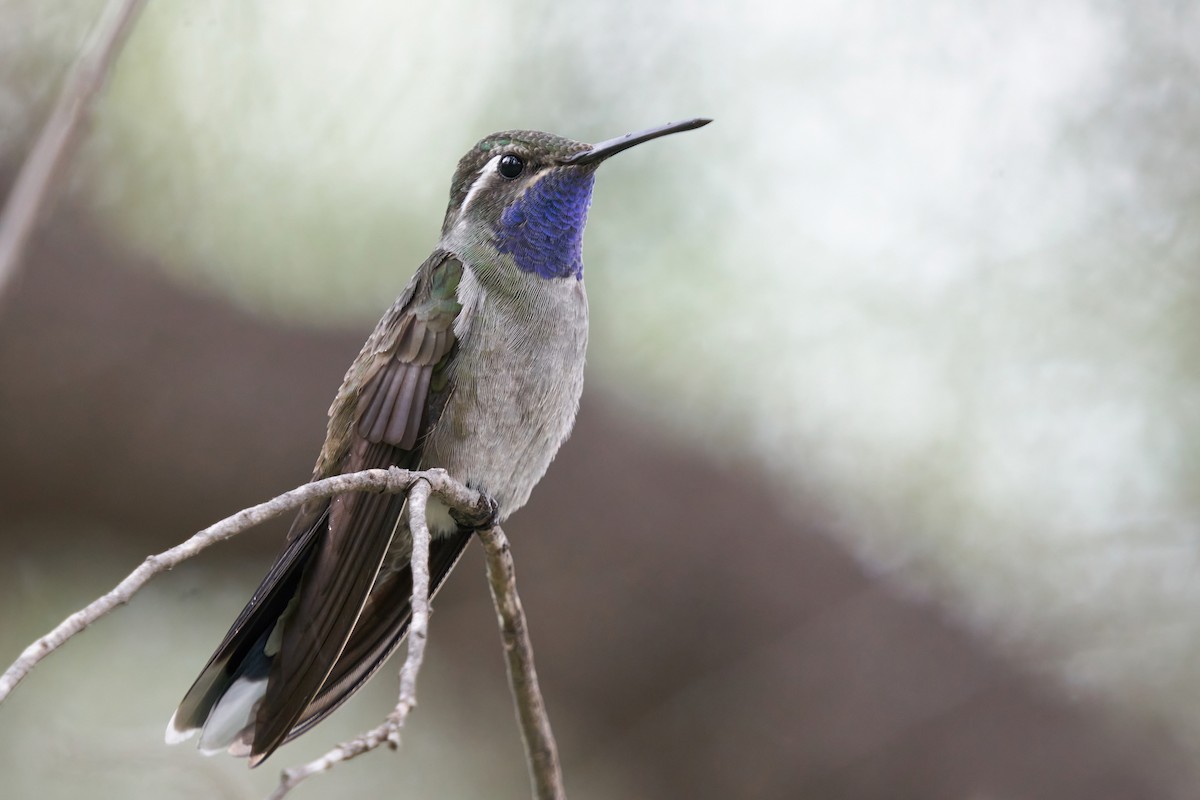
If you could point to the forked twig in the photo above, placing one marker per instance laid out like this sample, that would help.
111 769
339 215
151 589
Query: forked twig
540 748
418 630
378 480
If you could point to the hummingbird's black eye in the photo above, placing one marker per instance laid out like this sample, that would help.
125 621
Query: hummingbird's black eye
511 165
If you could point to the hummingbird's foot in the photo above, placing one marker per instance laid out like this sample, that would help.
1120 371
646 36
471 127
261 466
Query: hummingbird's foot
484 515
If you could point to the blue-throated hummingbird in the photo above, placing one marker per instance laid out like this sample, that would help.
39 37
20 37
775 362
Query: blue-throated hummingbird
476 368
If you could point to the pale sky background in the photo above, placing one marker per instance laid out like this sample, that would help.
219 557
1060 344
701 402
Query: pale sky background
936 262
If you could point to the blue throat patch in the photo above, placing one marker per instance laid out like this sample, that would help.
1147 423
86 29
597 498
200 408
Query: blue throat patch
543 230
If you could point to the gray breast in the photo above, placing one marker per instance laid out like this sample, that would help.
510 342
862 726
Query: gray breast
516 382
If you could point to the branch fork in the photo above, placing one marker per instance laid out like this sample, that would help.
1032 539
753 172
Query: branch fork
540 748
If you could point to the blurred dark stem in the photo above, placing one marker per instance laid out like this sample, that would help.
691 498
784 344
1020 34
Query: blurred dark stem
56 143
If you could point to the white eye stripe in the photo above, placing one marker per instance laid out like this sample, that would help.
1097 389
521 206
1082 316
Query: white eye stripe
489 169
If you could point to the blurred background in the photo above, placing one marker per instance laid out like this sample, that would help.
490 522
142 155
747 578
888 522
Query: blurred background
885 483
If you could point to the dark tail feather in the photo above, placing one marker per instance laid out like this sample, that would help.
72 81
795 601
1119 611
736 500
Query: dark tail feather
380 630
227 698
241 657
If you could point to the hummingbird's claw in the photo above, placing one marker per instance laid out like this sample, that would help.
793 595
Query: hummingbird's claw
484 515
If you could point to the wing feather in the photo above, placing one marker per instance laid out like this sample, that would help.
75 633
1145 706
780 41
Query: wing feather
313 598
398 420
388 417
381 628
378 409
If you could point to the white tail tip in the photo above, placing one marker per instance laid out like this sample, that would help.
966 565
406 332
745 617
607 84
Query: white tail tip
175 736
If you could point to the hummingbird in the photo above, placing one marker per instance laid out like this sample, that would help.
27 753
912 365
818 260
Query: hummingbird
476 368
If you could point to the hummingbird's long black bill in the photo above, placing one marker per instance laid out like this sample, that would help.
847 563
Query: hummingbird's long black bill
611 147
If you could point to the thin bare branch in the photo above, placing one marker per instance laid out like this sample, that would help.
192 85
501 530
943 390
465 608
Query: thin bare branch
540 749
61 133
418 630
418 626
468 505
379 480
